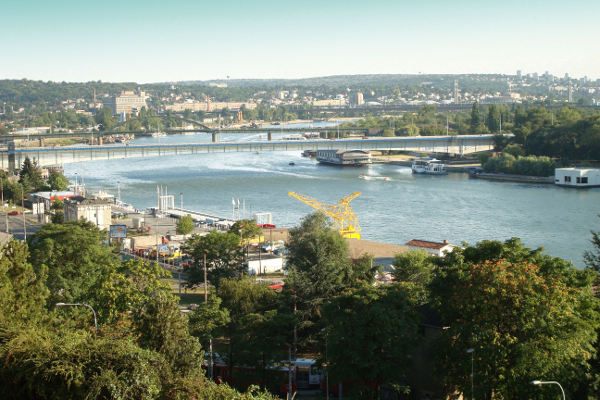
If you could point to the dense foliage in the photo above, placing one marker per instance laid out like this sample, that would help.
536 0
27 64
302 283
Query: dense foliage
525 314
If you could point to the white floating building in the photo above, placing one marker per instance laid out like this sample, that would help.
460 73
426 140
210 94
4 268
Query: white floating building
577 177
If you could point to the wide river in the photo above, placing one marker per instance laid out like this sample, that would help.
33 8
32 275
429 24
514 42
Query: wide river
408 206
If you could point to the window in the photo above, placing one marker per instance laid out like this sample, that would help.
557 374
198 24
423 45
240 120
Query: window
584 180
578 180
567 179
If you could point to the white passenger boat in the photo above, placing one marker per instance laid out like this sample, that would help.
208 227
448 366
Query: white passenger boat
429 166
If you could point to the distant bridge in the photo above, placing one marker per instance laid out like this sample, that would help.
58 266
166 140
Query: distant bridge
46 156
269 129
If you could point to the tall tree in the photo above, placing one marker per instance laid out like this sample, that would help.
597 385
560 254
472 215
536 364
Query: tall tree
318 265
30 175
475 118
370 334
525 314
58 181
22 292
224 258
592 257
493 120
73 256
185 225
162 327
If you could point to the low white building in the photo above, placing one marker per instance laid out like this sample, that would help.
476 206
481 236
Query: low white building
577 177
435 248
94 210
266 264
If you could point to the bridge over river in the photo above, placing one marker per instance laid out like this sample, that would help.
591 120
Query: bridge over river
13 156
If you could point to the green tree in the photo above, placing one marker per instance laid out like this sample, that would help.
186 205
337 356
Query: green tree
30 176
592 257
207 320
318 266
242 297
248 229
58 217
527 315
493 119
73 256
411 130
370 333
514 150
163 328
104 117
224 258
22 292
58 182
185 225
475 121
44 362
124 287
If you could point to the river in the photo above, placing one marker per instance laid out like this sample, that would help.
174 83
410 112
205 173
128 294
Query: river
408 206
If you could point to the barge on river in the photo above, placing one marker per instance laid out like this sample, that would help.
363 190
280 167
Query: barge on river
344 157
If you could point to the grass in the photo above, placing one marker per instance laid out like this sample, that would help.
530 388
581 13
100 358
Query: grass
189 296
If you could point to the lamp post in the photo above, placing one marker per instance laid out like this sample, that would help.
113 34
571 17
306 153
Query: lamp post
471 351
82 304
327 361
549 383
181 196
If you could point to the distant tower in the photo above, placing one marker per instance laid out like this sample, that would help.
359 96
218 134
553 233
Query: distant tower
519 75
94 99
456 90
570 92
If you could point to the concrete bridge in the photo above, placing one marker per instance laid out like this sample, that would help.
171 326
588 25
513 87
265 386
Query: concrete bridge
13 157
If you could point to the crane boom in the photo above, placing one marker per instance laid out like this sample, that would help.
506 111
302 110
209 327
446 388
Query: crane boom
343 215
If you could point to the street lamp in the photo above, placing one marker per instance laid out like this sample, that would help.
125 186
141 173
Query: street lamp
471 351
181 194
82 304
549 383
327 361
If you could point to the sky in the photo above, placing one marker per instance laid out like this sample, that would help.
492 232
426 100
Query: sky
167 41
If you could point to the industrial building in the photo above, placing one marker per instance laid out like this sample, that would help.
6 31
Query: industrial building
127 102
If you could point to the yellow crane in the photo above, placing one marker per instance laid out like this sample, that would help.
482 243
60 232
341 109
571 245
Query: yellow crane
342 213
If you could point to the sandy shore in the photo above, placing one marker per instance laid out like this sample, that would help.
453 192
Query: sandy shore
357 247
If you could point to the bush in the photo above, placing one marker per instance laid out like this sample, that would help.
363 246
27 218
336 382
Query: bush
530 165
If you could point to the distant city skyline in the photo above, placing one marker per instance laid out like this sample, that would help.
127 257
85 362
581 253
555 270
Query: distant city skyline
149 41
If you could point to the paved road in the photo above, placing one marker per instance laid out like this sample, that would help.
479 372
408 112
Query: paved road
13 224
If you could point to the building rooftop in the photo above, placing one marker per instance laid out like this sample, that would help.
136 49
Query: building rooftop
86 201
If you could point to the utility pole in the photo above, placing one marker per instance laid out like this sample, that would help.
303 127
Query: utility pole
23 209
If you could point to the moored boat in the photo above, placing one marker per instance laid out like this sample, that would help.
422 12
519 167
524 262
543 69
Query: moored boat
429 166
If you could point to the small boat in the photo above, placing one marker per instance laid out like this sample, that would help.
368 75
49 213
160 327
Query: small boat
292 163
380 178
429 166
257 152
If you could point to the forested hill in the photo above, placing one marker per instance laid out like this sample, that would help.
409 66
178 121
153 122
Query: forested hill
355 80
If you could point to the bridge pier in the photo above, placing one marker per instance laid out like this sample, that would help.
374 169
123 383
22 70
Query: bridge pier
270 136
41 142
11 156
99 140
214 137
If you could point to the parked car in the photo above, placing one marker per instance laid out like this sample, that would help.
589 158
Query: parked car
14 212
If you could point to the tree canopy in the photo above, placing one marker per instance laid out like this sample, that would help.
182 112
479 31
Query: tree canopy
224 258
525 314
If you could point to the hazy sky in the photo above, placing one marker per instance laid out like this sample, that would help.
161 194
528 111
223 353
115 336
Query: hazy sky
155 41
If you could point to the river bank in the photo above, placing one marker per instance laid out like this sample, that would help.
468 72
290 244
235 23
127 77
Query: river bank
514 178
